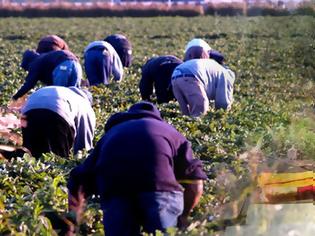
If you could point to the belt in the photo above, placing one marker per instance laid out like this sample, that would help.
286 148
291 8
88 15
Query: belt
182 76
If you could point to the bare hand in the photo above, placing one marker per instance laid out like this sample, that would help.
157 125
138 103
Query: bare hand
182 222
16 105
77 205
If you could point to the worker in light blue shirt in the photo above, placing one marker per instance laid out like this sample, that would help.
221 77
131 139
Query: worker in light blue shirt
58 119
200 79
197 81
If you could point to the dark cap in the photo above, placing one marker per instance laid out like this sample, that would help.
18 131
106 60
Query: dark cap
122 46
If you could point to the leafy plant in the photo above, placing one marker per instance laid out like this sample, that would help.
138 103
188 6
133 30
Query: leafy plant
272 58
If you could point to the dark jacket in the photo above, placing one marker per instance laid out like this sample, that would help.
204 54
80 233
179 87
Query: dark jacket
157 73
40 68
139 153
122 46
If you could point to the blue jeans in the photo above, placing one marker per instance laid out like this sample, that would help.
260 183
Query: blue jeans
68 73
97 66
125 215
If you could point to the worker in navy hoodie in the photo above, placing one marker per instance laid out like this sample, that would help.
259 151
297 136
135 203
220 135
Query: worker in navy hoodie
157 73
103 59
59 67
144 171
57 119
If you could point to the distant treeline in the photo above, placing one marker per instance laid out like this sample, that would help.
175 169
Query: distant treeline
140 10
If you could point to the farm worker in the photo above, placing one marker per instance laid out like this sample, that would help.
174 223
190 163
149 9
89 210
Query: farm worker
157 73
60 68
200 79
57 118
105 58
51 43
144 171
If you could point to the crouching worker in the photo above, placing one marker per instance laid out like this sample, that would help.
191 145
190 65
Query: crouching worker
144 171
157 73
56 118
201 79
103 59
59 67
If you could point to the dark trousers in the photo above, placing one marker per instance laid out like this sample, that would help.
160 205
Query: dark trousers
46 131
97 65
151 211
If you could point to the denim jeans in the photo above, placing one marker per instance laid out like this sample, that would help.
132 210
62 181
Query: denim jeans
68 73
97 66
148 211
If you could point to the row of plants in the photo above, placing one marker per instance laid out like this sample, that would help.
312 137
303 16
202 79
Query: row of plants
273 110
141 10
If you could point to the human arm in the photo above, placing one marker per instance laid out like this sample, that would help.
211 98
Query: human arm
192 194
85 123
30 82
190 175
224 89
146 84
82 183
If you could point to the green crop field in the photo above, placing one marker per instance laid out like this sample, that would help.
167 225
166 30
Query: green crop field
273 112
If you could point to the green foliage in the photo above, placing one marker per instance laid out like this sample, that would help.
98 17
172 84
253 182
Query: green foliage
300 134
273 61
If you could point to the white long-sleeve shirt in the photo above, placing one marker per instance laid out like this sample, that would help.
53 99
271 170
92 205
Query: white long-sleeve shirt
217 80
73 105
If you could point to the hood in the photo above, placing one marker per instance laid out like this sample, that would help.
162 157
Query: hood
137 111
122 46
83 93
28 57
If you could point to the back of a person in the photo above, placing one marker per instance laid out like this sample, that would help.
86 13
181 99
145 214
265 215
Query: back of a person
200 68
101 61
133 169
67 70
144 146
56 99
57 119
57 68
197 81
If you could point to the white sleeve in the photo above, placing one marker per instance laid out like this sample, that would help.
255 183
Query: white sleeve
85 123
117 67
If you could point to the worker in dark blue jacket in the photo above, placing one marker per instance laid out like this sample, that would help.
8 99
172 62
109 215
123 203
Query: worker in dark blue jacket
157 73
59 67
144 171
